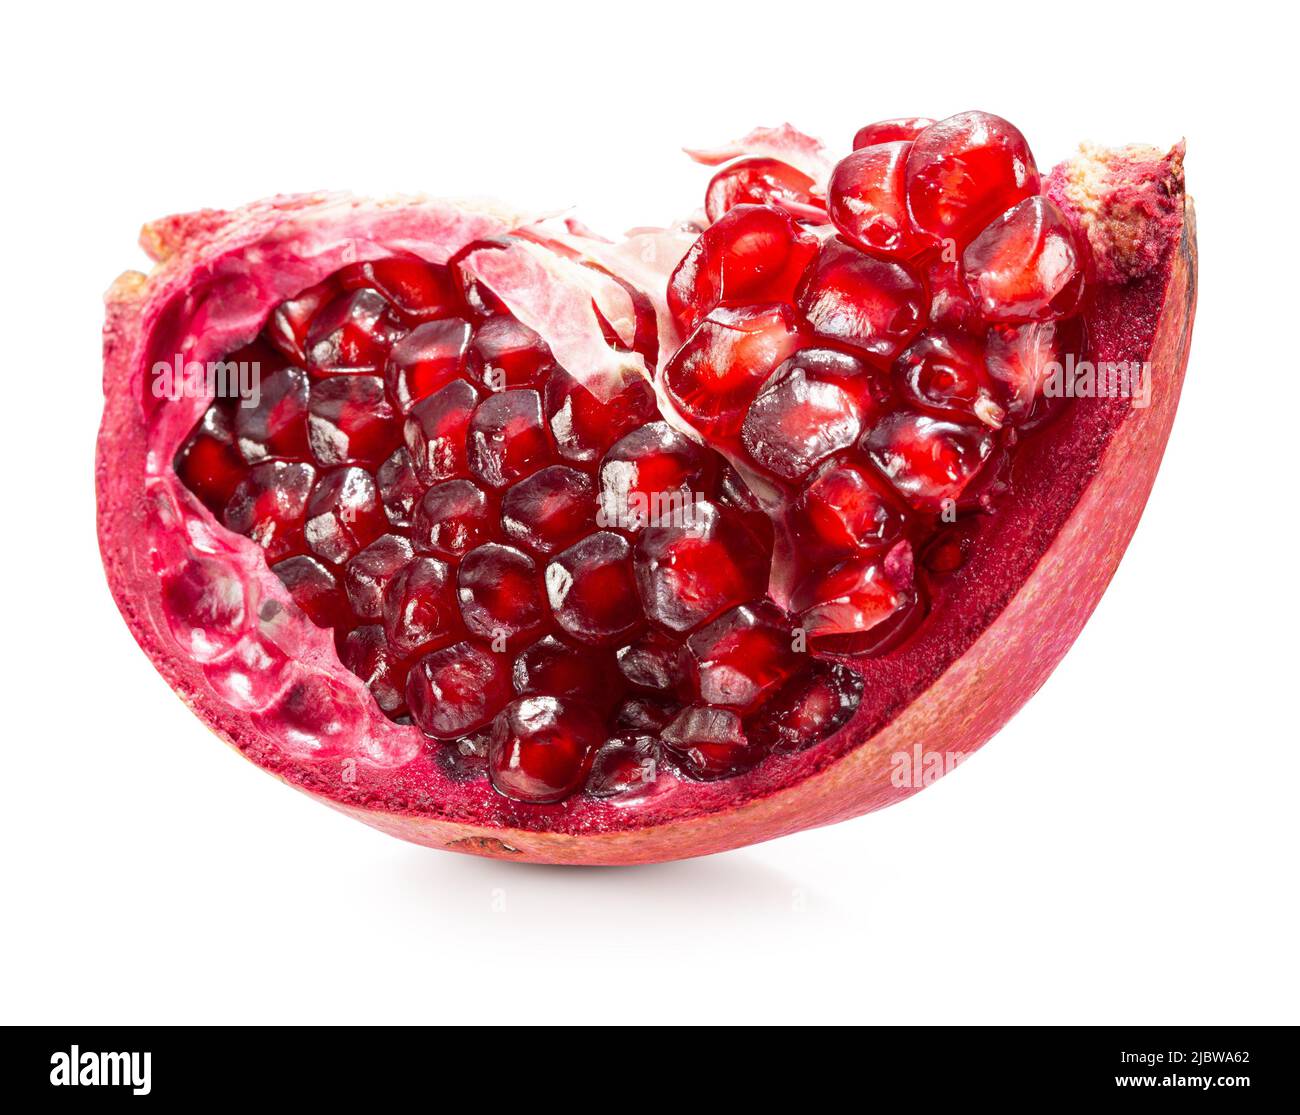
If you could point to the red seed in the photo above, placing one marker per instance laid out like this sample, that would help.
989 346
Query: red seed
717 372
929 460
506 353
687 575
368 574
868 204
962 172
436 429
208 463
353 333
709 742
542 748
365 651
500 593
269 505
1025 265
420 610
889 131
759 181
753 254
343 514
743 655
549 510
351 422
314 589
457 690
873 304
452 518
591 590
426 359
507 438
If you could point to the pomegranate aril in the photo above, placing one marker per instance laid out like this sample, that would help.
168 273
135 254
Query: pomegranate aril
946 372
550 509
208 463
868 204
710 742
420 608
649 475
752 254
808 709
656 661
687 575
287 326
351 422
592 591
452 518
1023 358
436 430
951 304
890 131
277 425
353 333
551 666
457 690
584 427
1025 266
500 593
365 651
873 304
801 417
851 598
420 290
929 460
844 507
368 574
759 181
625 764
716 373
314 589
427 358
343 514
645 714
542 748
506 353
399 487
743 655
507 438
962 172
269 506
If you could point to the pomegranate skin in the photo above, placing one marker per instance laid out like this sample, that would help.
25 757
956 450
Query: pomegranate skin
1025 596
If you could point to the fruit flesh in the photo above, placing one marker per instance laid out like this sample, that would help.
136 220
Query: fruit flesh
1149 320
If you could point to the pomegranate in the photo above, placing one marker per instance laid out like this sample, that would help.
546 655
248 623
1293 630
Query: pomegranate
511 540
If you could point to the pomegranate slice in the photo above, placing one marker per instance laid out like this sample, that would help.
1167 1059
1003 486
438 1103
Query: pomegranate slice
472 569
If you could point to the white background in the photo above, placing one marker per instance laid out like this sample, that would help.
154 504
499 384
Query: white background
1124 851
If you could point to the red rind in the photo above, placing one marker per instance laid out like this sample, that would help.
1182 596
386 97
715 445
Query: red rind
1019 603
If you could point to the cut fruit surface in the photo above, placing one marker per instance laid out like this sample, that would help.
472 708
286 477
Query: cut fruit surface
529 548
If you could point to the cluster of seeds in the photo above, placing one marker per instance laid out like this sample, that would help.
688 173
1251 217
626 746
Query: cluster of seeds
567 592
561 589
